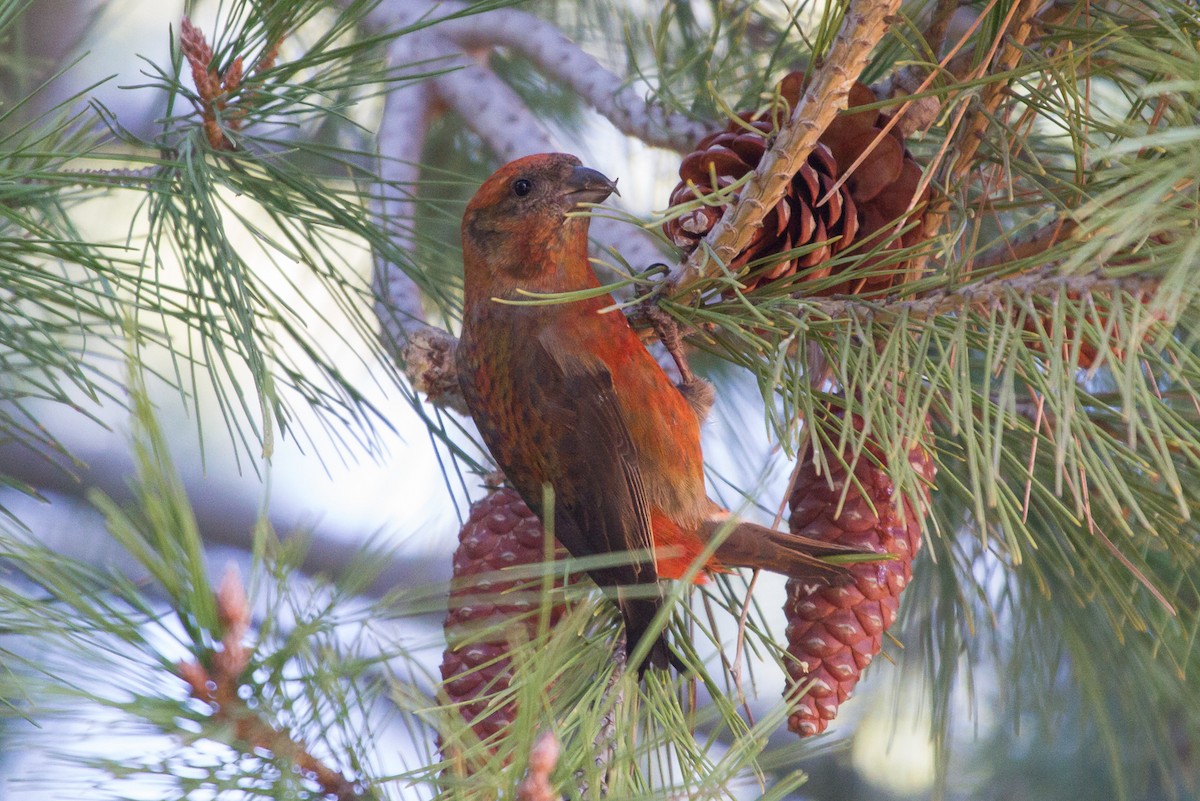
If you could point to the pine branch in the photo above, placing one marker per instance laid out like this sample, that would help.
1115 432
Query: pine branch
209 84
407 111
1020 21
864 26
920 113
494 111
939 24
987 293
563 60
222 520
125 178
222 97
219 683
556 56
1007 51
1028 246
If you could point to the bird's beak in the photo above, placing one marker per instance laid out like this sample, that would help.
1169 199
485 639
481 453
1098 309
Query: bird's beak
589 186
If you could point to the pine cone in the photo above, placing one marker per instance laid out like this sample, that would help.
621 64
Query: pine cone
500 532
861 212
834 631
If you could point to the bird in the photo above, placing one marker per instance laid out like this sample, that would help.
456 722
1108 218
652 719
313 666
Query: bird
565 395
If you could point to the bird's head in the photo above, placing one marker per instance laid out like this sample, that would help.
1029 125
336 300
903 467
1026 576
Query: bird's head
535 190
522 208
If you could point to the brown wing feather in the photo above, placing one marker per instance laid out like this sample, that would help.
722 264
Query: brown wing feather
600 499
598 482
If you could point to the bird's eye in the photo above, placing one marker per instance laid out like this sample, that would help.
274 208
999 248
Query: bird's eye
522 187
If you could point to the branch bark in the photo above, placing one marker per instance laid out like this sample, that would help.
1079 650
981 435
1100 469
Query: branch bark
1039 241
401 139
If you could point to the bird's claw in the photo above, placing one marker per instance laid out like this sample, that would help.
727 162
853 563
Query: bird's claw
698 392
664 325
667 329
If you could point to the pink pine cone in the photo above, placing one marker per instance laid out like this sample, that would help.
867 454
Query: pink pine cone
835 630
501 531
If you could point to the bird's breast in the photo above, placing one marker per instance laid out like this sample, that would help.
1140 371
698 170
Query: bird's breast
495 376
663 427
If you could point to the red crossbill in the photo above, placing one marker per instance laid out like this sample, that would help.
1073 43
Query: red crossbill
566 395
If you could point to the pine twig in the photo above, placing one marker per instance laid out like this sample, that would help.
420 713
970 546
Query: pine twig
865 24
1005 54
123 177
208 83
922 113
1021 23
218 684
939 24
211 87
605 741
215 89
919 115
543 758
118 177
493 110
985 293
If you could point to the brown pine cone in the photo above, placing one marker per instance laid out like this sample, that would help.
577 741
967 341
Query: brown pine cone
500 532
834 631
861 212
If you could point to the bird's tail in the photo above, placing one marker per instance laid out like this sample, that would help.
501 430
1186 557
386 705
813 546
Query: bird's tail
639 611
762 548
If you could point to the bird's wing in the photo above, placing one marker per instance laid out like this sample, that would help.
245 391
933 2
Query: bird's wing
601 504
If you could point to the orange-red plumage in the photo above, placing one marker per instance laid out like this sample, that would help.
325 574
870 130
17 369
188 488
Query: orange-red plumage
566 395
